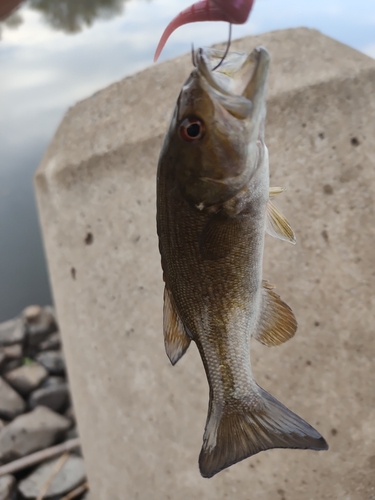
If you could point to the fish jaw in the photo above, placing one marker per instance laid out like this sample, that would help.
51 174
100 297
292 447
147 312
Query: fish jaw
230 104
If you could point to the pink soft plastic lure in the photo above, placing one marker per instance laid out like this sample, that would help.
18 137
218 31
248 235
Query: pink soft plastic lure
231 11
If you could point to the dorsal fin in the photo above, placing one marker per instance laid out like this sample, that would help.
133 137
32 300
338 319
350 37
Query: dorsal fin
277 225
176 340
277 322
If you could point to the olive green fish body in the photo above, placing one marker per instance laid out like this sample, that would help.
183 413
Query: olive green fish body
212 211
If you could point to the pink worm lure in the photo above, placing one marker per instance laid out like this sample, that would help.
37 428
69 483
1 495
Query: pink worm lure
231 11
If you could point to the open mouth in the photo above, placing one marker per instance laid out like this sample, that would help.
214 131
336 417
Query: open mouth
239 81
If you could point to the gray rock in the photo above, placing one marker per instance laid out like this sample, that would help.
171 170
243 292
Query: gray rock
13 351
71 434
11 403
26 378
10 364
2 358
7 486
71 475
53 361
53 381
70 414
52 342
54 397
32 313
12 332
31 432
52 311
2 424
39 324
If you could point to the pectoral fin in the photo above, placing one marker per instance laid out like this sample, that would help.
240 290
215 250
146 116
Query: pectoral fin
220 235
274 191
277 225
176 340
277 322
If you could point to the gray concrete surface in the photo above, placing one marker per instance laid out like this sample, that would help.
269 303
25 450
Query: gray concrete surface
141 421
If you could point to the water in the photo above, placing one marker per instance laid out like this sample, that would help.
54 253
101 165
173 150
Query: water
56 52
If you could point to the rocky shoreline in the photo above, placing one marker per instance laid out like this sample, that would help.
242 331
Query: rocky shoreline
36 413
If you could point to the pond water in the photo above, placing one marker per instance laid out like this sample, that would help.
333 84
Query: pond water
56 52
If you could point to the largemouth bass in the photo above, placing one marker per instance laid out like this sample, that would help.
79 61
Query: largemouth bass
213 208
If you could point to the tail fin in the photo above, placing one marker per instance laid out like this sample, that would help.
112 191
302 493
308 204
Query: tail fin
243 428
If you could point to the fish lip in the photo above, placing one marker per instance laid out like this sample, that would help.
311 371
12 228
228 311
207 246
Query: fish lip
240 104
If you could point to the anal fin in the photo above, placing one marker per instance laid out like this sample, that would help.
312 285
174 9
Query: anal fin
176 340
277 225
277 322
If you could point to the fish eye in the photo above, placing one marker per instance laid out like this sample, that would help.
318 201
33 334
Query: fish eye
191 129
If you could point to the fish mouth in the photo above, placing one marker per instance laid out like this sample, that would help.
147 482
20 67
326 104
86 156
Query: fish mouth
239 83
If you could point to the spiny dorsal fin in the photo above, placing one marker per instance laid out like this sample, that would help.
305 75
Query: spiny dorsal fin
176 340
277 225
274 191
277 322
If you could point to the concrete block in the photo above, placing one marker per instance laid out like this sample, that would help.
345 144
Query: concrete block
142 421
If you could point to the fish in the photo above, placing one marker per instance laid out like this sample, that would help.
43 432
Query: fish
213 209
231 11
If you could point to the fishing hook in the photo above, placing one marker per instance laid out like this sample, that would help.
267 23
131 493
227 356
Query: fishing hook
227 49
193 56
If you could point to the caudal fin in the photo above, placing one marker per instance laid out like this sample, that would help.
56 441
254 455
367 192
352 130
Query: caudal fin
242 428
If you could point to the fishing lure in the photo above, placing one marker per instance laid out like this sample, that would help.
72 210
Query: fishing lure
231 11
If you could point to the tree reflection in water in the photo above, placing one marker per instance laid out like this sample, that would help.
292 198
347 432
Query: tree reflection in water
70 16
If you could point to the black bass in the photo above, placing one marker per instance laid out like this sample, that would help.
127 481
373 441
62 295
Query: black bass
213 208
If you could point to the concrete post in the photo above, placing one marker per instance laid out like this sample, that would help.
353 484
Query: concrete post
141 421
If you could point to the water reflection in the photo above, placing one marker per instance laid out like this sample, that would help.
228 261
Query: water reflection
72 16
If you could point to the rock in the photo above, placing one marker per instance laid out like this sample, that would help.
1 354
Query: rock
53 361
70 414
11 403
71 433
52 311
71 475
87 496
53 381
13 351
54 397
39 324
7 484
2 424
11 364
52 342
32 313
2 358
31 432
12 332
26 378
